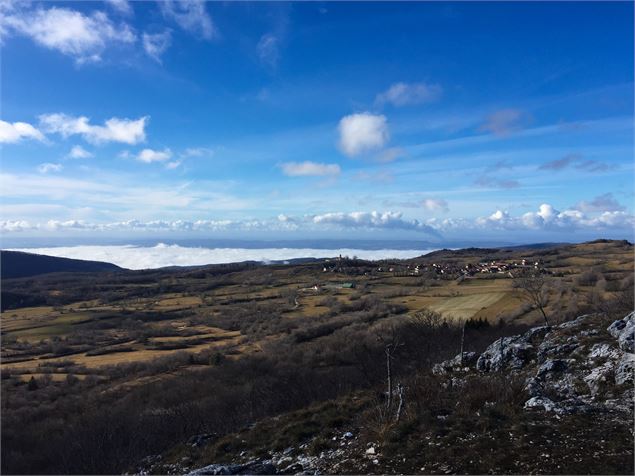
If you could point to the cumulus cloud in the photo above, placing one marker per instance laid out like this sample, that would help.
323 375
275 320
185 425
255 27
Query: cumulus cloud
373 220
150 155
548 217
78 152
605 202
16 131
49 167
362 132
190 15
435 204
155 44
82 37
405 94
505 122
268 50
126 131
309 169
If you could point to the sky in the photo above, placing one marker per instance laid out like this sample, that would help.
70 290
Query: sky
435 121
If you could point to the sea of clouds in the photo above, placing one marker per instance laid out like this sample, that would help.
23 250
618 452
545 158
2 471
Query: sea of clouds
161 255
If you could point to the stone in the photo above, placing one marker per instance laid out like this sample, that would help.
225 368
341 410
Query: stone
603 351
548 350
536 335
599 376
541 402
533 387
624 331
625 370
550 366
454 364
371 451
516 354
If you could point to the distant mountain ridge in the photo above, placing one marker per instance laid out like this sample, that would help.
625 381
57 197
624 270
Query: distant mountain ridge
17 264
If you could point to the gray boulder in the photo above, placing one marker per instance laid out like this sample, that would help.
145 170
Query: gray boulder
625 370
551 366
454 364
624 331
514 353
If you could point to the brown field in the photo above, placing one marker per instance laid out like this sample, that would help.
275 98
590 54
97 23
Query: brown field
138 323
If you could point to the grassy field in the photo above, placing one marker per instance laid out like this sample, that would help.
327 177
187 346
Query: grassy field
238 312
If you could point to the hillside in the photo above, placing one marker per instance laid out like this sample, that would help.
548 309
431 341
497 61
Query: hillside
16 264
184 360
556 400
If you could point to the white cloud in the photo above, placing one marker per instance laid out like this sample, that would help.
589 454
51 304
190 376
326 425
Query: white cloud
404 94
78 152
127 131
149 155
15 132
307 168
12 226
161 255
374 219
614 219
83 37
498 219
173 165
548 218
190 15
362 132
435 204
49 167
268 50
122 7
155 44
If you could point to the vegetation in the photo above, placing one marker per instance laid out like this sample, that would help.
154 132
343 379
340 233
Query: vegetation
106 371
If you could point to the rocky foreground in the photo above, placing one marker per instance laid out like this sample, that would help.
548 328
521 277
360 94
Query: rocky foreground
575 416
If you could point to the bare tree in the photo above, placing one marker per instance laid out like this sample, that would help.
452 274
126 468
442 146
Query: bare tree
400 393
533 285
391 343
463 340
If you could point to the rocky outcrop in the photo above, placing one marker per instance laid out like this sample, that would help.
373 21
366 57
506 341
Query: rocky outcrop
253 467
574 367
578 367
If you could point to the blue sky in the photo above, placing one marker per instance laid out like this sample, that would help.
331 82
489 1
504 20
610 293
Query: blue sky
430 121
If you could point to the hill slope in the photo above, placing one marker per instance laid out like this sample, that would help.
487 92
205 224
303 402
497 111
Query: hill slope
497 413
16 264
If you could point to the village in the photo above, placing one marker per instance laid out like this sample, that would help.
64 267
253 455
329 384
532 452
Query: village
442 270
